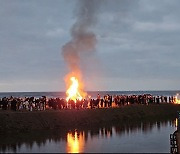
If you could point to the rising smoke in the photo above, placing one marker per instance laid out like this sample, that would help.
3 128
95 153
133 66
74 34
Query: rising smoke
83 38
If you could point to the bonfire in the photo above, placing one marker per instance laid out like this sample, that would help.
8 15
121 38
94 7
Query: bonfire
74 88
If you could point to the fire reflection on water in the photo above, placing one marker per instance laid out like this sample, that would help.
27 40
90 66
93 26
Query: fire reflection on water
75 142
176 123
80 140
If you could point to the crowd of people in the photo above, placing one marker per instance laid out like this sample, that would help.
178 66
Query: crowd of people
107 101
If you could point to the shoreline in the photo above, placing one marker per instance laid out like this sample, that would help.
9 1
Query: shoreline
64 119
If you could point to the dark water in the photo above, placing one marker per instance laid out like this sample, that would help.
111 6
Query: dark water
130 137
91 93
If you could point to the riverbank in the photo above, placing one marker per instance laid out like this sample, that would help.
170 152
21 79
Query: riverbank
60 119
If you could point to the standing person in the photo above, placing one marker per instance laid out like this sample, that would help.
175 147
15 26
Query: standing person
162 99
91 103
154 99
169 99
9 102
110 101
30 106
13 104
64 103
81 103
102 102
18 103
77 104
115 99
31 100
165 99
146 99
59 103
98 100
85 104
26 104
127 100
4 103
105 101
0 103
73 105
37 103
94 103
44 102
157 100
172 99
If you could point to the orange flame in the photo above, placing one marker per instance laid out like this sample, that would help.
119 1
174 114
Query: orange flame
74 86
73 92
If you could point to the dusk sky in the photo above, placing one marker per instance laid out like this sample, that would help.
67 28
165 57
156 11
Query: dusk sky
138 45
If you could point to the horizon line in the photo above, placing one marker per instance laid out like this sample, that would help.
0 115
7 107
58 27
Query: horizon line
86 91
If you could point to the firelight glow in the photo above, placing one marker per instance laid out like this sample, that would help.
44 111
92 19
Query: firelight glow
73 91
177 99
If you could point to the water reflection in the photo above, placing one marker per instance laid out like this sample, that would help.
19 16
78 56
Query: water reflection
176 123
75 142
78 140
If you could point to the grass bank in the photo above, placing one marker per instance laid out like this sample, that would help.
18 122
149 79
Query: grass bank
23 121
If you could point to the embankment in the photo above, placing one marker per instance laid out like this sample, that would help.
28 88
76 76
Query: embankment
23 121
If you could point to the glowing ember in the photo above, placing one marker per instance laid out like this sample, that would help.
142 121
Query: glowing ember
177 99
73 92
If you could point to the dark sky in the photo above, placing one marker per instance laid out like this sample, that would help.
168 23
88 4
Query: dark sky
138 45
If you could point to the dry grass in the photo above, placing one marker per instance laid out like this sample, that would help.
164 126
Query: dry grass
76 118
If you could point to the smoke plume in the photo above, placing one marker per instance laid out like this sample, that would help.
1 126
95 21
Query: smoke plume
83 38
